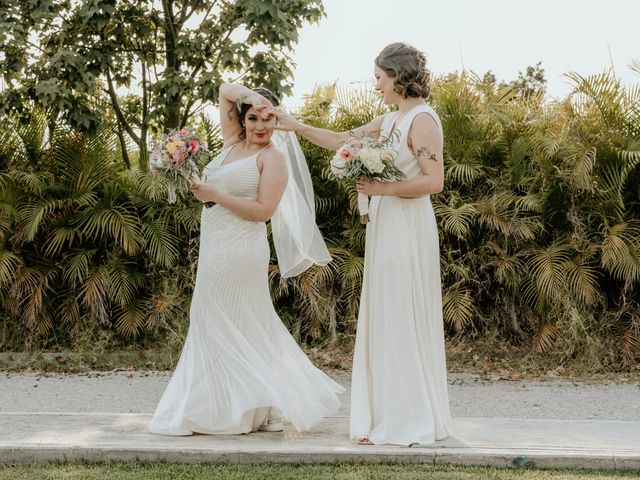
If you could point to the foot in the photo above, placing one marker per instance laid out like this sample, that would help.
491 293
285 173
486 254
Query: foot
272 425
365 441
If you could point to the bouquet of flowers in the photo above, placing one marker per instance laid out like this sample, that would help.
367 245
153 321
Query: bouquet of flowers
365 157
178 154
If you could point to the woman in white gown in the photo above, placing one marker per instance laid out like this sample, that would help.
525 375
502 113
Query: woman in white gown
240 370
399 386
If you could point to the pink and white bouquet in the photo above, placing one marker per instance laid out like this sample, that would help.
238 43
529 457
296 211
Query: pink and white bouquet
365 157
178 154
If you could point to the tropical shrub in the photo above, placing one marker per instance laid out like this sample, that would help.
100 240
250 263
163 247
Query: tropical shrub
539 226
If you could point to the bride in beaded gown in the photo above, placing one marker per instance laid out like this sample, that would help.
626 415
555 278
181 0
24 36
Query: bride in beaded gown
240 370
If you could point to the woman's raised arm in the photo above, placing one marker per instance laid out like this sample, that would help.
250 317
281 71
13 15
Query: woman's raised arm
326 138
230 95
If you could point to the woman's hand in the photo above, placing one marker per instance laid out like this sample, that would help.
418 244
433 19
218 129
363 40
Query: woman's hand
370 187
204 192
262 105
285 121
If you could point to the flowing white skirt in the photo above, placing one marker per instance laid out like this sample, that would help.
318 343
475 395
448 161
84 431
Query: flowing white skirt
399 387
239 360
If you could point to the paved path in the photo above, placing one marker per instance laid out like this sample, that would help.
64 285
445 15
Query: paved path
103 416
469 396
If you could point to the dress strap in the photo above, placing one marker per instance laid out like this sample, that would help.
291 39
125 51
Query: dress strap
263 149
222 156
406 122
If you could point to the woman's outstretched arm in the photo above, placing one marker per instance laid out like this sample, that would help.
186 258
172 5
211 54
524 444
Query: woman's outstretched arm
327 138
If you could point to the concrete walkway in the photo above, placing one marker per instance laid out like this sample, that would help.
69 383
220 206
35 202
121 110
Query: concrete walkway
78 417
43 437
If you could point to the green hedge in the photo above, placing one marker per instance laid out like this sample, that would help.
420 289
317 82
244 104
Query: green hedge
539 227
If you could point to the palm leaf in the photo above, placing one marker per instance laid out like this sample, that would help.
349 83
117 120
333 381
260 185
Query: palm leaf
582 282
77 266
456 221
131 318
10 263
68 312
545 337
161 243
547 273
621 251
458 307
94 293
116 222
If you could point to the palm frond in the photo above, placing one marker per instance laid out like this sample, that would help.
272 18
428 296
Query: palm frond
212 134
115 222
621 251
581 173
59 238
463 173
458 307
545 337
456 221
161 243
581 281
547 269
604 91
77 266
498 214
131 318
94 293
10 263
68 312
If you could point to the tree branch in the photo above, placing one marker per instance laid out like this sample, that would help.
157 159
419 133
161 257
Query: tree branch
119 115
168 12
206 15
186 114
224 39
123 146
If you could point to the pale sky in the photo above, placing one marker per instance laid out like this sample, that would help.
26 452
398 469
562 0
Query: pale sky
585 36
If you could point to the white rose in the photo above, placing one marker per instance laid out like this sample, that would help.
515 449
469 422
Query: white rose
338 166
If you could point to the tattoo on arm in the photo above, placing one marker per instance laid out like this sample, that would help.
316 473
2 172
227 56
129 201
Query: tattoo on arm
243 97
426 153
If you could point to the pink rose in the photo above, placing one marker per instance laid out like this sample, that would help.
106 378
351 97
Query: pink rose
194 146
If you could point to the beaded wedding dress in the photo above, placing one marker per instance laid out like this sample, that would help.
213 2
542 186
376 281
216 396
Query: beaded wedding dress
239 361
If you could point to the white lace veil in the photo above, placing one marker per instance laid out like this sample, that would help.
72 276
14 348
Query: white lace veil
296 237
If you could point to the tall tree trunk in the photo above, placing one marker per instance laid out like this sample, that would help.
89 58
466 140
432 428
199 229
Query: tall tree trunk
143 160
172 64
123 146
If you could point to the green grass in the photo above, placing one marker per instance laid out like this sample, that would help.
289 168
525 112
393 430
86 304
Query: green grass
148 471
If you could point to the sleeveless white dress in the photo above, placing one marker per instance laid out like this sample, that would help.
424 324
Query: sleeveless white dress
399 386
238 359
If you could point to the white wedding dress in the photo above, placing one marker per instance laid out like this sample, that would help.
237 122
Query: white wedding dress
238 360
399 386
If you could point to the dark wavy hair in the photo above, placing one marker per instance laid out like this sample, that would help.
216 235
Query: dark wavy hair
408 66
244 108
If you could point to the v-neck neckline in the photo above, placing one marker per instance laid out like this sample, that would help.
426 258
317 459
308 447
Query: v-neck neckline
222 164
395 124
